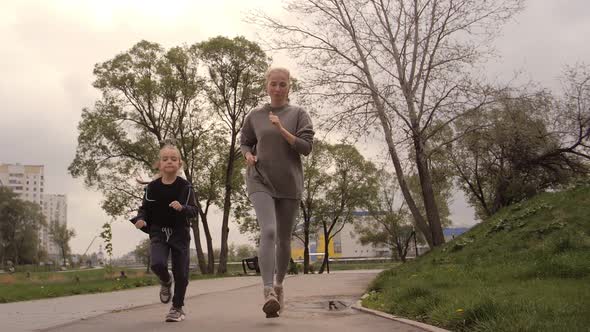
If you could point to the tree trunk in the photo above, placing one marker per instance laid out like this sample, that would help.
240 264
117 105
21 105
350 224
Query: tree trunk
15 252
326 262
417 216
382 114
306 246
499 200
227 206
402 257
200 255
430 206
197 234
209 240
400 253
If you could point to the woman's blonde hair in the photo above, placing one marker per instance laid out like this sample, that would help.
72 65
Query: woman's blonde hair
279 70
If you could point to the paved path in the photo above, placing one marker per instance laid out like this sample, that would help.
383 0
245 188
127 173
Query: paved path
228 304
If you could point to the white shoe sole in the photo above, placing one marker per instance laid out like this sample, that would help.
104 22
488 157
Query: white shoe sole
180 319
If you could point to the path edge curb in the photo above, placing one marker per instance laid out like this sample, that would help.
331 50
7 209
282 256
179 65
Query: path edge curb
358 306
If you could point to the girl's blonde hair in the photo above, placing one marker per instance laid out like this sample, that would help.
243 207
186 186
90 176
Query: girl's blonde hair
166 144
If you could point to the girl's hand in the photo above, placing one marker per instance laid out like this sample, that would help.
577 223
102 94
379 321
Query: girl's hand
176 206
140 224
275 120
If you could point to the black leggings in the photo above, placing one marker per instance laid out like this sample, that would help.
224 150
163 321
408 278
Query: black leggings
162 242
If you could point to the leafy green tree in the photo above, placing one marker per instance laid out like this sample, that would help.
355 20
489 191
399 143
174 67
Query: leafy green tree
149 95
235 86
239 252
315 182
142 253
245 251
352 181
388 222
61 236
20 222
107 237
529 143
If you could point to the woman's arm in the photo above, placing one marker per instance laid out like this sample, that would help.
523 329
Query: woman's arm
247 137
302 140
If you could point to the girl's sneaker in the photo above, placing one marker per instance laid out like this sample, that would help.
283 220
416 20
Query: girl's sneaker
165 291
175 315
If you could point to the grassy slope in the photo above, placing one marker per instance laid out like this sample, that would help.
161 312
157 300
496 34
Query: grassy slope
525 269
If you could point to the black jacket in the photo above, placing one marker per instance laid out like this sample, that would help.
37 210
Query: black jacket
189 209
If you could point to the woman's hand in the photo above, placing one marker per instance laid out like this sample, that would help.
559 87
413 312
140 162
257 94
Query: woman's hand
275 120
284 132
140 224
251 159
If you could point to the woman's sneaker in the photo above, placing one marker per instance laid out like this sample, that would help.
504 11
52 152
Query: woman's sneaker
165 291
175 315
280 297
271 305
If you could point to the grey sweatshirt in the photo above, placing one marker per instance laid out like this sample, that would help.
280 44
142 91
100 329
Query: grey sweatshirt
278 170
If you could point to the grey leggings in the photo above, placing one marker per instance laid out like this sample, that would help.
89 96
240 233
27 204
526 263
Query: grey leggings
276 218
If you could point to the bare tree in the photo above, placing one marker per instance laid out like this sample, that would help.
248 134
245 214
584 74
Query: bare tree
572 121
401 64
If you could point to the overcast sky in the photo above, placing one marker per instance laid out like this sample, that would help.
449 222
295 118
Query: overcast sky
48 49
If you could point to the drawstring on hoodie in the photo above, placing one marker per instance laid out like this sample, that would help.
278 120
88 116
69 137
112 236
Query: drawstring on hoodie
168 232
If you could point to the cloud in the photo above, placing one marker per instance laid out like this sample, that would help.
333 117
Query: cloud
50 49
47 81
541 40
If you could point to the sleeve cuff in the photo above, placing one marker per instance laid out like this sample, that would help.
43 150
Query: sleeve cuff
245 149
301 146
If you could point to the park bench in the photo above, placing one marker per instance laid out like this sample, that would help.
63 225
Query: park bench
251 264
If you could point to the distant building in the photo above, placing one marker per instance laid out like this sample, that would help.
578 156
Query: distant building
55 210
25 180
346 244
100 256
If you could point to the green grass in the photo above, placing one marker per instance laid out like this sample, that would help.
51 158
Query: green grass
40 285
525 269
361 266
